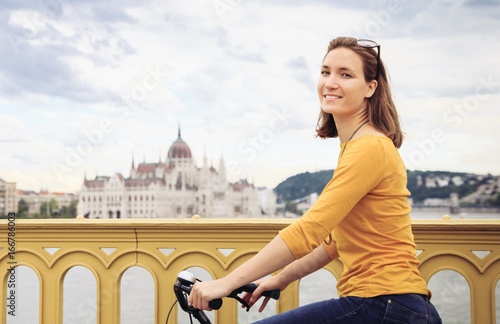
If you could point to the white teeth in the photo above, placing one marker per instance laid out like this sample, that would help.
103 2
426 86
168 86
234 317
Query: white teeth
332 97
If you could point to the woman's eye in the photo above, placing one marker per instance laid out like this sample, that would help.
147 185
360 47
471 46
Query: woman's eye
325 73
345 75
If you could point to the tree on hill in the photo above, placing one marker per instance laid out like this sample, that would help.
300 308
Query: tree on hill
303 184
495 201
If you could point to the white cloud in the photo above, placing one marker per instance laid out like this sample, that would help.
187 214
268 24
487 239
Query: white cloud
225 75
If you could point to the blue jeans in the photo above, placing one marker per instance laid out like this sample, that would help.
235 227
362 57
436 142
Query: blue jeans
405 308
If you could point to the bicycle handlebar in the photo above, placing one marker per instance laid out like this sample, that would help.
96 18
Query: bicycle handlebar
185 282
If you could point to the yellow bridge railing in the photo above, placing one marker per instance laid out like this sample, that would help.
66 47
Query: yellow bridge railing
52 247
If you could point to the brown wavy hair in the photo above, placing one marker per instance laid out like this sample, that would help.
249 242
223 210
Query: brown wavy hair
380 109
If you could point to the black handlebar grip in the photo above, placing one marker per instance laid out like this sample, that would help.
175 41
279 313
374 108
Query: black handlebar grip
215 304
274 294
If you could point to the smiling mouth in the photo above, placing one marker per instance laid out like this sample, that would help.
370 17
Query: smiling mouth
331 97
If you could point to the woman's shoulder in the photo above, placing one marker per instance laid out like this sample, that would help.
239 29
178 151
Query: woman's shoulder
372 139
370 147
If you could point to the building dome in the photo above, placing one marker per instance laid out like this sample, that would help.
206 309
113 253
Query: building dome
179 149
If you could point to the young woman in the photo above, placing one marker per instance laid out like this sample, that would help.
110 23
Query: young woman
362 216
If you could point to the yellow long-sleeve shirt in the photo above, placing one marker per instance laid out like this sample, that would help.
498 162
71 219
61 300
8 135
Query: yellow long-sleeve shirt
365 209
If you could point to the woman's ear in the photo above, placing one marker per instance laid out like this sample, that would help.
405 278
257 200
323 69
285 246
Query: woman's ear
372 86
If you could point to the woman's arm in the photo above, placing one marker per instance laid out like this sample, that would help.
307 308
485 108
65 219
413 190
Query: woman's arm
298 269
274 256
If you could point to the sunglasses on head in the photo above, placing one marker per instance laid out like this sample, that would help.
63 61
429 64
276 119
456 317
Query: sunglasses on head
371 44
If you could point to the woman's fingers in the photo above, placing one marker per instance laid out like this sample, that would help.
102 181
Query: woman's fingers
264 304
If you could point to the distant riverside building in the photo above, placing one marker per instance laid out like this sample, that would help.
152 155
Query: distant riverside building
34 199
176 188
8 202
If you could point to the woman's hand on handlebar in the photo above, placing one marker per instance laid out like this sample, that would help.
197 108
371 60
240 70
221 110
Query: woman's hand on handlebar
264 284
203 292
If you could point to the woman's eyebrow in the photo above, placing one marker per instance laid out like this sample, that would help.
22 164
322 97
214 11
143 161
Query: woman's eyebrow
344 68
337 68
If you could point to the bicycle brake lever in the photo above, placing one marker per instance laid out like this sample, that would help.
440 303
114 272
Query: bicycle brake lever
244 303
250 288
201 316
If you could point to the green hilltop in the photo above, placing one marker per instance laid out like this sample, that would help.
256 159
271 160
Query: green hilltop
472 189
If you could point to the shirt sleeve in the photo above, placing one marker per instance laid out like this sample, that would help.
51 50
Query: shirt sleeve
359 171
330 246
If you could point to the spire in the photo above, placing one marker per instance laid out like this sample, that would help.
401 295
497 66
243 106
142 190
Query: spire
133 163
222 166
205 164
179 129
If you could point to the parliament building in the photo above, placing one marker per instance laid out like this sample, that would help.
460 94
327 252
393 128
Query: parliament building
176 188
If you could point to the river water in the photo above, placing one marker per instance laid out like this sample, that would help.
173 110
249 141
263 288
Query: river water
450 293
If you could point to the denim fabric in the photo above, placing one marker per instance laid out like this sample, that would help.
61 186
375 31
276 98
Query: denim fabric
397 309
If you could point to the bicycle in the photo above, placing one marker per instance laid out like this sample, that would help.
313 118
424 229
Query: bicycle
182 289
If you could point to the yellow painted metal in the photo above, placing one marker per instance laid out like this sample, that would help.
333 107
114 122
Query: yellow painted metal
446 244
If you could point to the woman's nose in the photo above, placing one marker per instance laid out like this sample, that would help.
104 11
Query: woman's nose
331 82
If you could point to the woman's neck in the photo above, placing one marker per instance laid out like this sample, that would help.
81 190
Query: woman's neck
348 130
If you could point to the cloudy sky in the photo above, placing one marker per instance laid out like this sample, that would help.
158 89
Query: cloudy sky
85 86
